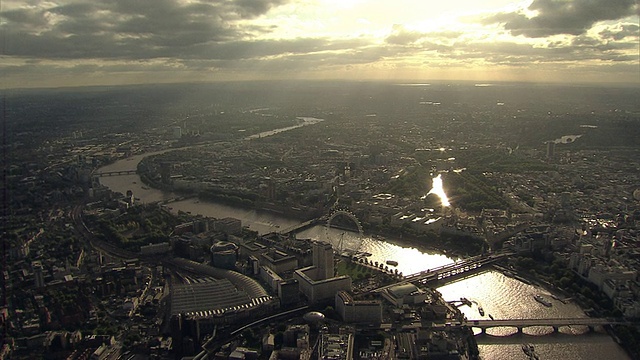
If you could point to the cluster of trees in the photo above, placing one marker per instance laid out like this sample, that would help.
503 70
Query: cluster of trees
471 191
246 200
415 182
69 308
546 267
140 225
543 265
457 244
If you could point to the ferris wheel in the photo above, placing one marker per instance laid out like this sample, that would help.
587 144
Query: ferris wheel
339 242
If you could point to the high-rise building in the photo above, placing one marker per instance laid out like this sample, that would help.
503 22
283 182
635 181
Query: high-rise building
551 147
323 260
176 132
38 274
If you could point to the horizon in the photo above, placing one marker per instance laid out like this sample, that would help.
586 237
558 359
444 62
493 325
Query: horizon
78 43
397 82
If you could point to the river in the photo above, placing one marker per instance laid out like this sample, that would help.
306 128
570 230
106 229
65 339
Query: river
500 296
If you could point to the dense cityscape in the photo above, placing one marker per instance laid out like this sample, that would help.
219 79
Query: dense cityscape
536 184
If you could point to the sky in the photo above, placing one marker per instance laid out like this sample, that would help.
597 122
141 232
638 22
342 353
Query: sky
109 42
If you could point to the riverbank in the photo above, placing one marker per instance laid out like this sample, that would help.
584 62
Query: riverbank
625 336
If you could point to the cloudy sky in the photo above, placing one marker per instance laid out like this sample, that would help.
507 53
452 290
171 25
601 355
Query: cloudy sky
89 42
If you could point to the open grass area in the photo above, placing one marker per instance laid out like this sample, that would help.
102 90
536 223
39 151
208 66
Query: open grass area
354 270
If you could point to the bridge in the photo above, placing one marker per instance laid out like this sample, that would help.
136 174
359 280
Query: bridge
302 226
115 173
450 271
520 324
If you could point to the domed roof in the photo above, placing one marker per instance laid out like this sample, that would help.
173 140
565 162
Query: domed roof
223 246
313 317
636 194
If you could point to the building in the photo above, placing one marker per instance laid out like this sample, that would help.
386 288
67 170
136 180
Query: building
358 311
336 346
224 255
288 292
176 132
404 294
551 149
38 274
317 282
279 261
270 278
253 248
154 249
323 260
228 225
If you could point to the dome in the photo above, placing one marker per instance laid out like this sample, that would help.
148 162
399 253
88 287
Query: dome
636 194
314 317
222 246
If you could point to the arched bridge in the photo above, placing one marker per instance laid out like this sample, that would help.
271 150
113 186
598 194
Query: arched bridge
115 173
520 324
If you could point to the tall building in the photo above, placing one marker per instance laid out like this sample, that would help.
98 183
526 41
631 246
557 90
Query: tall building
38 274
176 132
551 147
323 260
317 282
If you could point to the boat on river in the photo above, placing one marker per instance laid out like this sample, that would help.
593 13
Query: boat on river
542 300
528 349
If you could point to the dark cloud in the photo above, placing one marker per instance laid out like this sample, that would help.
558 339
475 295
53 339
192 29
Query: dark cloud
126 38
621 32
563 17
124 29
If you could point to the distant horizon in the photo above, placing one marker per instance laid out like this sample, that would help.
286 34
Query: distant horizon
408 82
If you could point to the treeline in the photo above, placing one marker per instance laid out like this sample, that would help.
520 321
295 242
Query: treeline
471 191
246 200
451 243
543 265
417 181
500 160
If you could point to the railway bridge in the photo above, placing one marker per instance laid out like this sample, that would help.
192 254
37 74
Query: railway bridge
451 271
115 173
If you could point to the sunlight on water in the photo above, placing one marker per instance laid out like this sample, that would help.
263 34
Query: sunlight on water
437 189
410 259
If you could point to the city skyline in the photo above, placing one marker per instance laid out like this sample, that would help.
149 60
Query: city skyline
76 43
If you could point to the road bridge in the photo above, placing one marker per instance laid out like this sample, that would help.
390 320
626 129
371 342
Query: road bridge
521 324
115 173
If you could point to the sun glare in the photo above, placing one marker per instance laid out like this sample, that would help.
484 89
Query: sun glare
438 190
